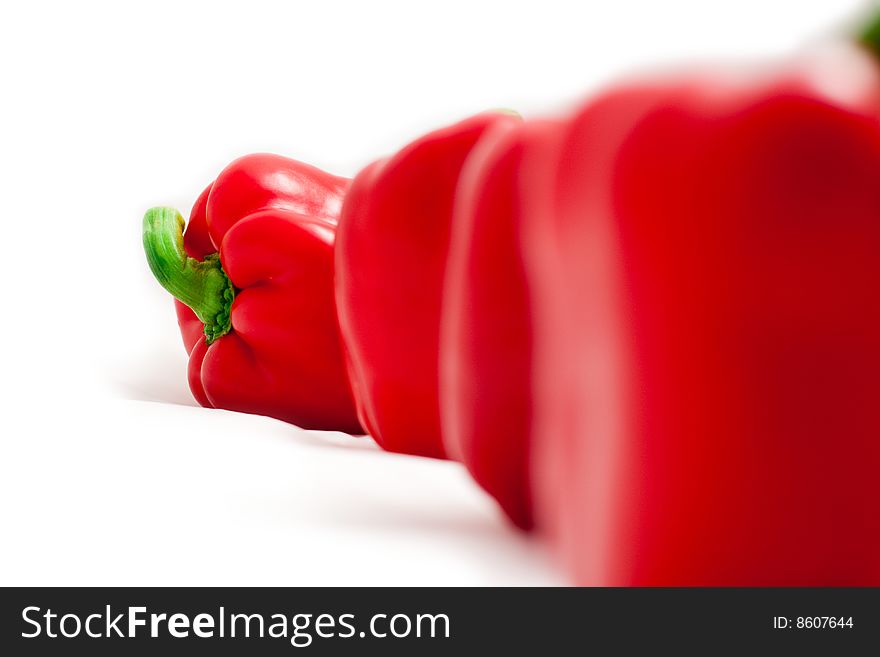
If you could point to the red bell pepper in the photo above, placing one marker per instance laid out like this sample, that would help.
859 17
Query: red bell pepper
253 279
705 252
391 253
486 322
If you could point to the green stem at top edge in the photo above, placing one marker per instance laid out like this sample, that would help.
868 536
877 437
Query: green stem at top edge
870 35
201 285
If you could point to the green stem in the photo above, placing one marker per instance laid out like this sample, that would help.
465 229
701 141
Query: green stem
201 285
870 35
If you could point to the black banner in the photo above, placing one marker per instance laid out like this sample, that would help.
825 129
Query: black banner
277 621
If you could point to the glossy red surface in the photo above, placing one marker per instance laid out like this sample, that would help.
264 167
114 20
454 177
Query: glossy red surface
486 328
706 269
391 252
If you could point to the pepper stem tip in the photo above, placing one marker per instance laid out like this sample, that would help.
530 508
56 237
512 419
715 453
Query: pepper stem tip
200 284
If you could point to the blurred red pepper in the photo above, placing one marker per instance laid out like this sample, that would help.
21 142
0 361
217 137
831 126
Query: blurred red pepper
486 322
253 279
391 253
706 258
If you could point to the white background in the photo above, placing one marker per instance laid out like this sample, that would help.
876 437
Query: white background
108 472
